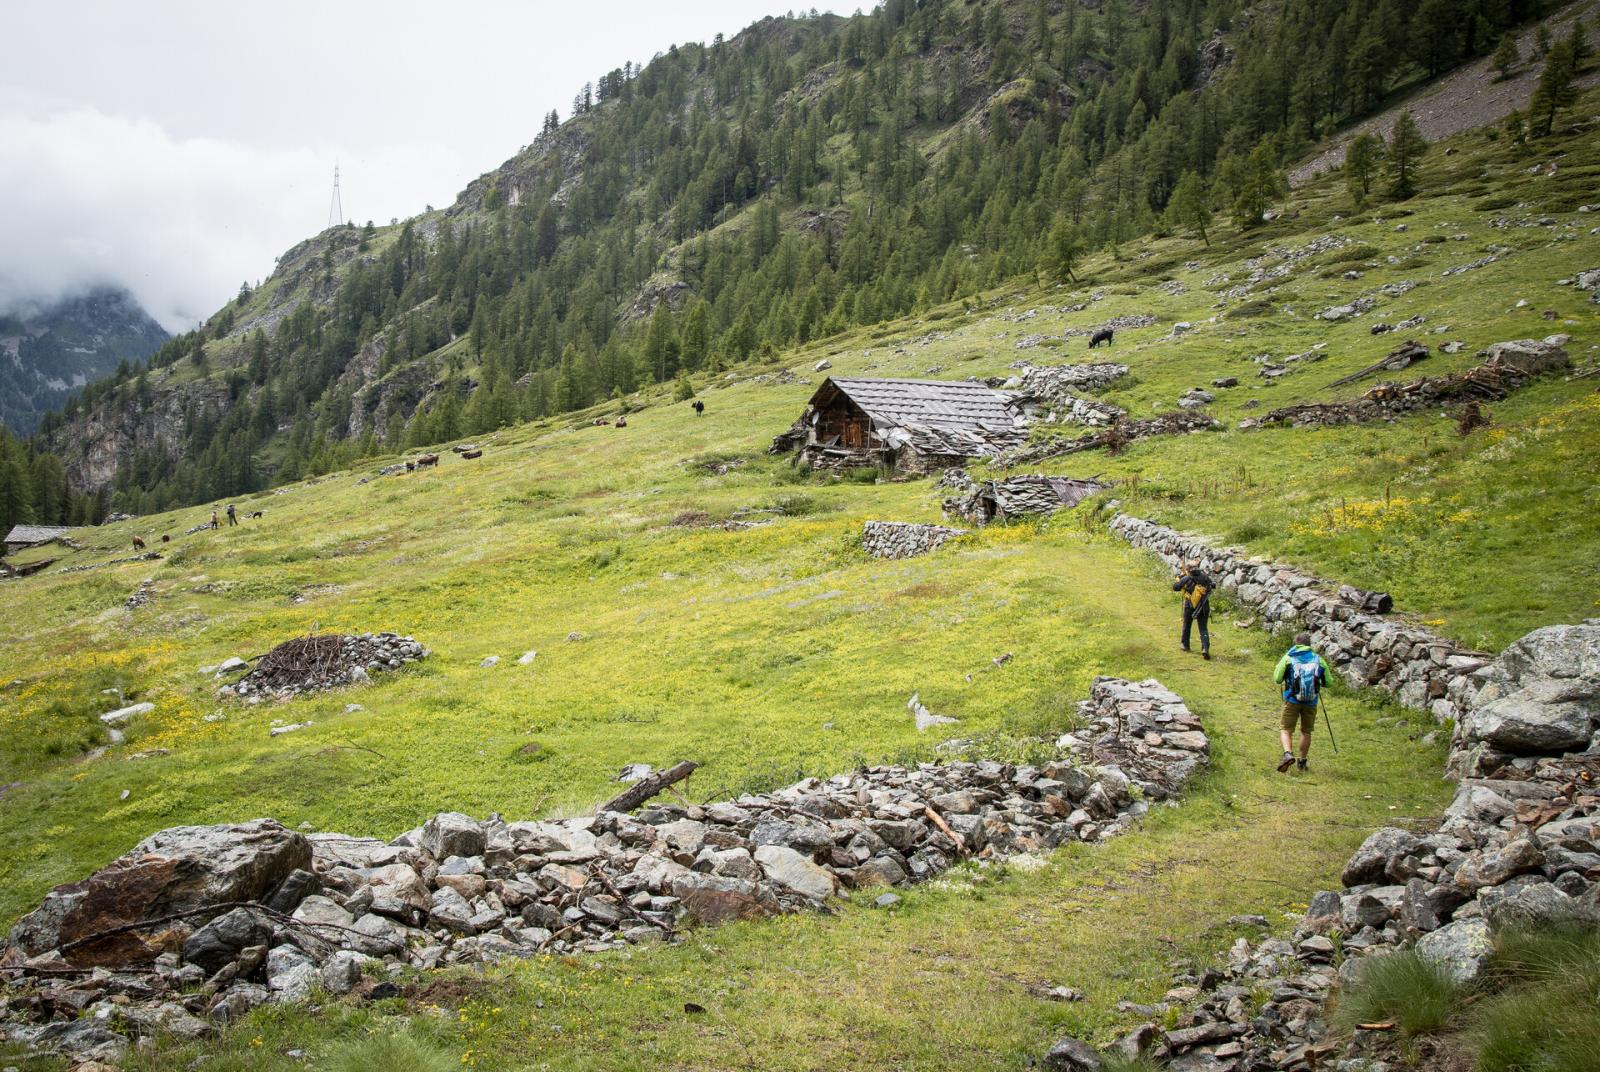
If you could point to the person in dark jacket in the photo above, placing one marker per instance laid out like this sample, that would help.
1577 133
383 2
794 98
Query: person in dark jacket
1196 589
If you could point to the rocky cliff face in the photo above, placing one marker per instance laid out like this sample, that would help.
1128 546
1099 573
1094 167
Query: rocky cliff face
95 444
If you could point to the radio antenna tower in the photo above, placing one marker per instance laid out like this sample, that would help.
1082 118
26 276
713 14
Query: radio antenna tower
335 209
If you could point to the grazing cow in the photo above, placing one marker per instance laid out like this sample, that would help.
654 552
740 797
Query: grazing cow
165 538
1101 336
427 460
699 407
622 422
138 544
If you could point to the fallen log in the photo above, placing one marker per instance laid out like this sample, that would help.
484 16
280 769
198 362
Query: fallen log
1403 356
646 788
1371 602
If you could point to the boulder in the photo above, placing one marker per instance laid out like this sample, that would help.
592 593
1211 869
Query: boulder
1460 948
216 944
1379 856
787 868
170 872
1537 905
1073 1055
1491 867
452 834
718 898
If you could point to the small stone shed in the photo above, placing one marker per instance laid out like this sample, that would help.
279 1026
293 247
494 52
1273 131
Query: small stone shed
1001 500
911 426
22 537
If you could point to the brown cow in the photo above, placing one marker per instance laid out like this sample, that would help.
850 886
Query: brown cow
138 544
470 454
427 460
165 538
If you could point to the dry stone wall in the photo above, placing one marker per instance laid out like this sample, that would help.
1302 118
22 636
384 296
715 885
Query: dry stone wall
197 925
1519 846
1423 670
903 539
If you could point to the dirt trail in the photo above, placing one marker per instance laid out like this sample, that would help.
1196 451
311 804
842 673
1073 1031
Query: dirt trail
1466 98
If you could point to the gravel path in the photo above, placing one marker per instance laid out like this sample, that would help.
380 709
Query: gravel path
1467 98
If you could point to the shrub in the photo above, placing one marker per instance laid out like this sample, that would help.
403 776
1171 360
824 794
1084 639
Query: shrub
1399 987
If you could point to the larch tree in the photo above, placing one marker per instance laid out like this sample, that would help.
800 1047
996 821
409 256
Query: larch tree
1406 147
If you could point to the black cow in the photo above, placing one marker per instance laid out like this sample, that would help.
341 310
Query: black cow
1102 336
699 407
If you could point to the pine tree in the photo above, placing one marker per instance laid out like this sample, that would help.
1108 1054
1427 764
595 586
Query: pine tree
1066 246
1190 207
1406 147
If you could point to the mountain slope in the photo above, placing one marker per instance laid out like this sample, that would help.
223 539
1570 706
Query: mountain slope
779 650
730 200
46 353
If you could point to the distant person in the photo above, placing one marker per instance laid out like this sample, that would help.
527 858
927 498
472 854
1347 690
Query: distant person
214 520
699 407
1302 673
1196 589
233 516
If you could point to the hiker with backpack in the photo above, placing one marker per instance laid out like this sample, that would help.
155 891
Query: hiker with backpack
1302 673
1196 589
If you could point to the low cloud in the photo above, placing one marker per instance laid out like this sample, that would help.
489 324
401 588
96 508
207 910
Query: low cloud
92 198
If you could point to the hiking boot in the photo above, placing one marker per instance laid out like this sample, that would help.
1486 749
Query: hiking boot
1206 655
1185 647
1302 765
1288 761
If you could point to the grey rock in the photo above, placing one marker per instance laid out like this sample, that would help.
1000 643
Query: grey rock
451 833
1073 1055
1460 948
787 868
1379 856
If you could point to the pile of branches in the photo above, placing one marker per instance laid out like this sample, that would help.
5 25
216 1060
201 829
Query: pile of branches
325 661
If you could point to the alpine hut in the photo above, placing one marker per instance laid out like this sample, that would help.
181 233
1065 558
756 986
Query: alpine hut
25 536
910 426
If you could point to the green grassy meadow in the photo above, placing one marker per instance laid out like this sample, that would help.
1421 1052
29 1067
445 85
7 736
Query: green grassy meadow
780 650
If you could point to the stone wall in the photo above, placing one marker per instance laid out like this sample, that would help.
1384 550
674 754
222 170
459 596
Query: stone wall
1519 846
1423 670
902 539
197 925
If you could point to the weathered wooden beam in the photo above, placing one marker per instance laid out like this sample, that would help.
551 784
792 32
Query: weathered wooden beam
646 788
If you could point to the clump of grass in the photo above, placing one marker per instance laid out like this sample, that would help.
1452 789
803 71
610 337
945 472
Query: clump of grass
1546 1018
391 1052
1399 987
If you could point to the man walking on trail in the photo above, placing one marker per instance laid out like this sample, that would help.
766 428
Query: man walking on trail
214 520
233 516
1196 589
1302 673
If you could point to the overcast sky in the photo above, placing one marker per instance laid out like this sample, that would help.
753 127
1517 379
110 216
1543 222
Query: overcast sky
176 147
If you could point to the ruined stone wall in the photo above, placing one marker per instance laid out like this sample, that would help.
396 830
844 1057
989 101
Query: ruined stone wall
902 539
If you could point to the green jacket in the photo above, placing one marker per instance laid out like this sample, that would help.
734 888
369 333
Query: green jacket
1282 671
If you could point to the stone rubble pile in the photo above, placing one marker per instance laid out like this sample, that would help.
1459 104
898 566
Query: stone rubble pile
199 924
1519 846
1510 365
903 539
1050 393
326 661
1424 671
1116 323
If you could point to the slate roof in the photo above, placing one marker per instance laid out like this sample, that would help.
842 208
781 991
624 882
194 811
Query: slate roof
30 534
945 405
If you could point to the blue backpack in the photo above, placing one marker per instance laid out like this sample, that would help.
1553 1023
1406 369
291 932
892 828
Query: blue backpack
1300 683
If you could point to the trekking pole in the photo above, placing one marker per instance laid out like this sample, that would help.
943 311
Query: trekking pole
1329 721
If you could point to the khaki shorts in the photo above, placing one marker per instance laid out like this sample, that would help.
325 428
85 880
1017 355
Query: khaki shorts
1305 714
